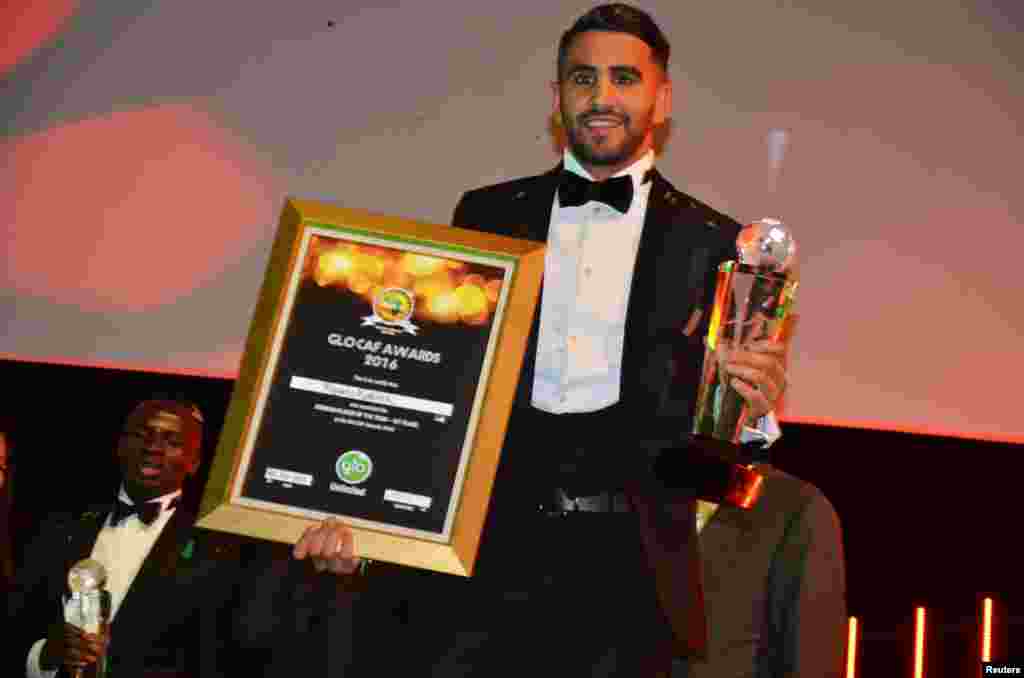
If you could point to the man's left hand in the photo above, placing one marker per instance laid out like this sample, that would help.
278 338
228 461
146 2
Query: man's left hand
759 375
330 546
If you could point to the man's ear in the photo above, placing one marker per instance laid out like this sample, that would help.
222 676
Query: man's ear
556 103
193 464
663 102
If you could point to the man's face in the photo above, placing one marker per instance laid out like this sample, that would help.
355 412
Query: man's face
611 95
155 453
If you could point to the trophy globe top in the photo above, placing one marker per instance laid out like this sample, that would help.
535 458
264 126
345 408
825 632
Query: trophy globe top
86 576
767 244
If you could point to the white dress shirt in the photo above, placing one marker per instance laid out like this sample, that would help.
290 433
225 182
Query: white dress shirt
588 272
121 549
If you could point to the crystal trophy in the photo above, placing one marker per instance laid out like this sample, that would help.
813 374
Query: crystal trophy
88 606
753 298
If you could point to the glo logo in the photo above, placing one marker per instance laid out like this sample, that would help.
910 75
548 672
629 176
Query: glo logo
354 467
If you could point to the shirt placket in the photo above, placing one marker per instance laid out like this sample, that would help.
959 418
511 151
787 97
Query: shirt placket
574 247
579 311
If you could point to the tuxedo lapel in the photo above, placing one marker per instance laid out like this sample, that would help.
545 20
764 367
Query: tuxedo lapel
531 207
81 540
672 247
655 251
147 598
531 212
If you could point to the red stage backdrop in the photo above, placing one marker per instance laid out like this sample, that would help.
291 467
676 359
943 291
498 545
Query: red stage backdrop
148 150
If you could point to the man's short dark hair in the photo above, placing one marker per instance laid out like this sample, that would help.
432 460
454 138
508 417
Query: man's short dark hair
617 18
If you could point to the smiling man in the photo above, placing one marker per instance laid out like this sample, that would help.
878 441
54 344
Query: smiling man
611 94
158 449
184 601
587 567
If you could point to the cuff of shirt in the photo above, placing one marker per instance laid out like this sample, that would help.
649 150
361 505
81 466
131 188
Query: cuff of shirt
766 433
32 669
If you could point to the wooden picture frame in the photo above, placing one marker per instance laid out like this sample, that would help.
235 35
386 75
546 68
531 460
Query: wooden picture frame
378 346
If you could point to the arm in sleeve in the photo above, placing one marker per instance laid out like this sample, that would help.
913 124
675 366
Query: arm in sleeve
766 433
807 598
462 209
32 668
33 603
295 616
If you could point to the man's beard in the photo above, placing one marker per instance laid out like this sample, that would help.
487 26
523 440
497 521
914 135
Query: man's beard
602 157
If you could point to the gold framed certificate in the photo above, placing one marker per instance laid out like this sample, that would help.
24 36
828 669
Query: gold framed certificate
376 384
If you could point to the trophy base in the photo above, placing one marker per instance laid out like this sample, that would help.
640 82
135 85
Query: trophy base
709 469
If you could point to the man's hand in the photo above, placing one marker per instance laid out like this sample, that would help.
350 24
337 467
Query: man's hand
759 375
72 647
330 546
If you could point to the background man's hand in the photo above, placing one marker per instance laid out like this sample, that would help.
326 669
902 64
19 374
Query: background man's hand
759 375
71 646
330 546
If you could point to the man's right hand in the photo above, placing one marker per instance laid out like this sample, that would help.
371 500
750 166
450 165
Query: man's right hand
70 646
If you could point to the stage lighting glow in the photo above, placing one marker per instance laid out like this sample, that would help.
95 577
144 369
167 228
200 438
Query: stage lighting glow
919 621
851 649
986 630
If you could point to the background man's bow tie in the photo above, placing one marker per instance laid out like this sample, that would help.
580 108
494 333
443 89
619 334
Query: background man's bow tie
147 511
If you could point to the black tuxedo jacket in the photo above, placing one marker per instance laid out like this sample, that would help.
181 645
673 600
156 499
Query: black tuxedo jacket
773 577
203 603
682 243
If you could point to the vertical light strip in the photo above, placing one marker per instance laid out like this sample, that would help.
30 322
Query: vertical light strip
851 650
919 643
986 630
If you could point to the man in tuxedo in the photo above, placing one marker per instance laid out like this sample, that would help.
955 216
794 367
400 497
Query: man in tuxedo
588 564
184 601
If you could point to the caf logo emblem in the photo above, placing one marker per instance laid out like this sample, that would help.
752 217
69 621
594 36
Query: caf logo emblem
392 309
393 305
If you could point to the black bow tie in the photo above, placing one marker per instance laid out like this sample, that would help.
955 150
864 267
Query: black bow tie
147 511
574 190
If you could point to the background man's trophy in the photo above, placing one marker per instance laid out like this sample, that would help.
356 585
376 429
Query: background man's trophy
753 298
88 607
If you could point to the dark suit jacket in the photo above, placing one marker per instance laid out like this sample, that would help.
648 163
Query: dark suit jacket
774 586
773 576
203 603
683 242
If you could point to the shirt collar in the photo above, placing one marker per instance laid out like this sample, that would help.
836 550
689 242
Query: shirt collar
637 170
164 499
